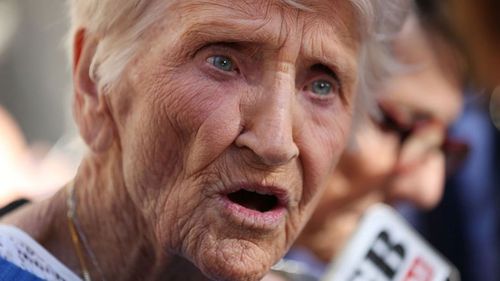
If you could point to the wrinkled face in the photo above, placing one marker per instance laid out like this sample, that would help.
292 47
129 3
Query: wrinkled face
385 168
229 120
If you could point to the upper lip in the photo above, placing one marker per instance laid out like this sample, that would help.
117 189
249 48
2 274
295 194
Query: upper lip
281 193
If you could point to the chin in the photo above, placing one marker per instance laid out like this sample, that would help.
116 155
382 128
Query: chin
235 260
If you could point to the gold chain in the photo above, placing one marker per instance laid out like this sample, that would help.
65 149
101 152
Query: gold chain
74 235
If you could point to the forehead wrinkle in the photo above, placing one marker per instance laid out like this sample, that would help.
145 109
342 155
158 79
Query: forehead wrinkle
253 20
327 45
236 8
213 30
339 16
241 9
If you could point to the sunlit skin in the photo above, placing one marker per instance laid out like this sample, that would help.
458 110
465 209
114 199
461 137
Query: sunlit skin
380 169
254 95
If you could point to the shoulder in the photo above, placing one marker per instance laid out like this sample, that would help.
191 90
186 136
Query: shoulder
19 249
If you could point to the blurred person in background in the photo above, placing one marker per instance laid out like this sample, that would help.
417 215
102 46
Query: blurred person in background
465 226
472 27
399 157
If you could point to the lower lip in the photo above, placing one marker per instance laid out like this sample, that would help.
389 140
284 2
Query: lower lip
253 219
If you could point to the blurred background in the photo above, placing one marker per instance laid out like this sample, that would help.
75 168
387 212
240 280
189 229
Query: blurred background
34 71
35 88
37 152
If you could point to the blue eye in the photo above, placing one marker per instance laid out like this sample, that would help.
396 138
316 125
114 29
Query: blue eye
321 87
221 62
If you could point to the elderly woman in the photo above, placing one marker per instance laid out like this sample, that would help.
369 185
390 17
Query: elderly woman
211 126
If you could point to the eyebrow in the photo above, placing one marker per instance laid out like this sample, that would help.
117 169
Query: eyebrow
332 57
319 67
335 61
230 32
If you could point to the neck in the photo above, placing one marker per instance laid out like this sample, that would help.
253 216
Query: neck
120 238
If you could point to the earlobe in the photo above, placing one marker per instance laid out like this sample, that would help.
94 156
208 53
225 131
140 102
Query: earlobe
91 110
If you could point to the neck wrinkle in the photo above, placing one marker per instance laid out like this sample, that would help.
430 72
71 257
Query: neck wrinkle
113 226
126 248
118 234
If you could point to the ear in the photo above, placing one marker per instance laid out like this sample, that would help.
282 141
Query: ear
91 109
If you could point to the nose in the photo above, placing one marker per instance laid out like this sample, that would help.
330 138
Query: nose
423 184
420 171
269 123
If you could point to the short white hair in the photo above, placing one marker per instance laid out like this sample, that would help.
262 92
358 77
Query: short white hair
120 23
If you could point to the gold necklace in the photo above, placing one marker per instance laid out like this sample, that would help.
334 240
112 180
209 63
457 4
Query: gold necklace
74 235
77 236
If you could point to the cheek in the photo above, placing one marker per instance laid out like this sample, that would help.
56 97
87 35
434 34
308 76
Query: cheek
152 152
322 140
423 185
327 135
215 134
375 156
179 124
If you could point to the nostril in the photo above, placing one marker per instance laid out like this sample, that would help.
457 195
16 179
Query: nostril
278 156
275 152
269 135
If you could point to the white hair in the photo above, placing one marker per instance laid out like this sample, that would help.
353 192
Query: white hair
383 20
120 24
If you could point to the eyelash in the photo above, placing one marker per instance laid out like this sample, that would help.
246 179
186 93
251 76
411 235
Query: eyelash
328 99
218 73
235 69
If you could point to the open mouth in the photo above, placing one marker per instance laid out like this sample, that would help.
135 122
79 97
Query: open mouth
254 201
255 206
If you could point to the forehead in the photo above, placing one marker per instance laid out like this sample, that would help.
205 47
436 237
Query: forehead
426 84
425 92
338 13
324 28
